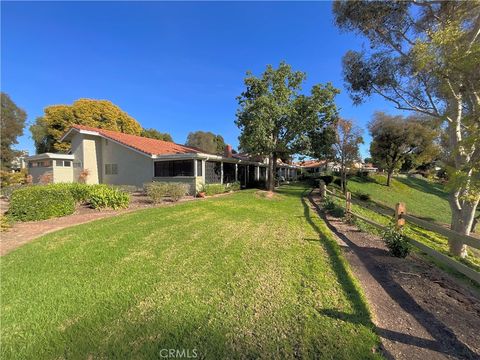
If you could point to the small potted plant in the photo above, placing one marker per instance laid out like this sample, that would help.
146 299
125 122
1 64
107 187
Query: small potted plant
201 192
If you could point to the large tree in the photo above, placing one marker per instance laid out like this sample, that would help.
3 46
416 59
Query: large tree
348 138
206 141
155 134
423 57
12 122
396 139
275 118
48 129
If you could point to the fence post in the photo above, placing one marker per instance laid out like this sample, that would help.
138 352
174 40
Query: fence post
323 191
400 211
348 202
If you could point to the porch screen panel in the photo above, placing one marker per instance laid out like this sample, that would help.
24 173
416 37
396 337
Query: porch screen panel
228 172
213 172
263 173
174 168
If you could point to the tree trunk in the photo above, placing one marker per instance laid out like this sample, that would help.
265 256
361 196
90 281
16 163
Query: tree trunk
389 177
462 221
272 167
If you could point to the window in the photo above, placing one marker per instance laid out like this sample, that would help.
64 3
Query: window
111 169
199 168
228 173
213 172
66 163
173 168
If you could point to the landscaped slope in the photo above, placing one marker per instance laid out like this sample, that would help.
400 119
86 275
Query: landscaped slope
422 198
243 275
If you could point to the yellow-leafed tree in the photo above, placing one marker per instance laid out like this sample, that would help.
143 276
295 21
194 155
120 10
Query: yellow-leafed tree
49 128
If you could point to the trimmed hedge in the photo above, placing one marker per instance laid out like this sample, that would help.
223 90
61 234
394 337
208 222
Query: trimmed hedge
214 189
157 190
40 203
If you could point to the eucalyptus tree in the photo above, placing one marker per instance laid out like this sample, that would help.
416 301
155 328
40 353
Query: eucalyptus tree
275 118
424 56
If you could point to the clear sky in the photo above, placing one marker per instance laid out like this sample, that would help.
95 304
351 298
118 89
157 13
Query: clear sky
176 67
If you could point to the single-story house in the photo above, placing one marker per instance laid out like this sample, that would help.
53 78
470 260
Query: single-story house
113 157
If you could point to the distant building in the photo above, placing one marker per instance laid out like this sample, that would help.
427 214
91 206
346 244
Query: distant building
19 161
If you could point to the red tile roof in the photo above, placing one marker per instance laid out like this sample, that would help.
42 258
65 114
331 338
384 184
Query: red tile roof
143 144
311 163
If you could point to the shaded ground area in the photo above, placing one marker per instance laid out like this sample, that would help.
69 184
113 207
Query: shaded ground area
420 312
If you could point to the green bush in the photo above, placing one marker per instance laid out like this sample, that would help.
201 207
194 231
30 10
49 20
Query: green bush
337 181
80 192
363 196
177 190
337 212
397 243
40 203
214 189
8 178
104 196
327 179
328 204
235 186
156 191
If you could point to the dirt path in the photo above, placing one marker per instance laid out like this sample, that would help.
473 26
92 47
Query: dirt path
420 312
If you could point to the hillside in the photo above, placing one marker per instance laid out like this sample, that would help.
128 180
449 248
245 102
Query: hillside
423 198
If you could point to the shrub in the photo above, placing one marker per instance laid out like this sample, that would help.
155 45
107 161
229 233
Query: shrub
5 223
7 191
397 243
8 178
337 212
337 181
177 190
156 191
80 192
235 186
104 196
362 174
327 179
328 204
40 202
363 196
214 189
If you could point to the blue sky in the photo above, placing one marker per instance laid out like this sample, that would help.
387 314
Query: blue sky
177 67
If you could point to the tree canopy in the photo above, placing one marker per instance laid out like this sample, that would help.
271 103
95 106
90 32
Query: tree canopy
49 128
396 139
275 118
12 122
423 57
348 138
206 141
155 134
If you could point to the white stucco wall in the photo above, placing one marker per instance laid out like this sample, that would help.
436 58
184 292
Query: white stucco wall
62 174
133 168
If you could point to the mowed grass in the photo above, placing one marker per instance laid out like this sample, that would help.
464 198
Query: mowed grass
239 276
423 198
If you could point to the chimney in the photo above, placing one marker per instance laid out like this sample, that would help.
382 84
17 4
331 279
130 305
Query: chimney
228 151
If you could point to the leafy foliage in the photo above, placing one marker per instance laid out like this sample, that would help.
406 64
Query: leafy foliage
396 242
158 191
423 57
214 189
40 203
12 122
104 196
155 134
396 139
48 129
8 178
276 119
206 141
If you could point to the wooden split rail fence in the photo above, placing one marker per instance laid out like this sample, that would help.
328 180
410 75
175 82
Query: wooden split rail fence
401 217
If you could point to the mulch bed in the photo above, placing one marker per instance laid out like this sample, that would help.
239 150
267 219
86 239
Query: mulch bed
420 311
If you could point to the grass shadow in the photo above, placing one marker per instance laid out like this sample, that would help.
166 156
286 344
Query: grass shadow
445 341
424 186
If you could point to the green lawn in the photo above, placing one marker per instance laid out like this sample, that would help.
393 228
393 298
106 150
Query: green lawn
240 276
423 198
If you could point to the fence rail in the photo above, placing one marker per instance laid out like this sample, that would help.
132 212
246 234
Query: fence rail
401 217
